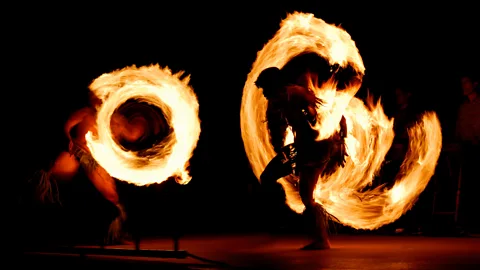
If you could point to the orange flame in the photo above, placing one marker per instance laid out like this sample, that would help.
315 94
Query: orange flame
370 132
160 88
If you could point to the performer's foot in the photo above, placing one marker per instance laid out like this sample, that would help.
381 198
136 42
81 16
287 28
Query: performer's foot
116 235
124 241
120 239
317 245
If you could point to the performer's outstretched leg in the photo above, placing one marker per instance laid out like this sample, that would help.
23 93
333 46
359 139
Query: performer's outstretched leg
104 183
317 223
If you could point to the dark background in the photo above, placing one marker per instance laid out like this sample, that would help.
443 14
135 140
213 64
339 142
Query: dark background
59 49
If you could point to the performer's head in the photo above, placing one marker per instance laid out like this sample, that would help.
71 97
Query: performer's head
270 81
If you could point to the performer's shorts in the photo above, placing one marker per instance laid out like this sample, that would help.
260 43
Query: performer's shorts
86 160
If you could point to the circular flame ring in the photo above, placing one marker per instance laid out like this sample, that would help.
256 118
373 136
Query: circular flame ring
158 87
370 132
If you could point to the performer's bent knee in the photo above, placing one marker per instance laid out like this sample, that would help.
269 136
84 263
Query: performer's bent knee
65 166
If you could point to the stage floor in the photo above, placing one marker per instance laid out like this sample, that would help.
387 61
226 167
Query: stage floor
263 251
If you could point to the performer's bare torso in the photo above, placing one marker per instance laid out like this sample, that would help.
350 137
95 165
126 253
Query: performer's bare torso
297 105
301 113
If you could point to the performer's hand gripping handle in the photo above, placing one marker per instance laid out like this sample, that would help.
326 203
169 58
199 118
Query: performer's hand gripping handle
343 127
341 142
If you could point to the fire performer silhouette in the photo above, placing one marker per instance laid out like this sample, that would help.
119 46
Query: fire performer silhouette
294 105
68 163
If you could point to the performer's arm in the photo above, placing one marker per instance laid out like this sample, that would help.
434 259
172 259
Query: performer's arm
339 151
130 131
305 100
135 130
277 126
119 125
458 128
74 119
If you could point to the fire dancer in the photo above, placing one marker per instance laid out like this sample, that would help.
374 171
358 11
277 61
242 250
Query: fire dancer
294 105
68 163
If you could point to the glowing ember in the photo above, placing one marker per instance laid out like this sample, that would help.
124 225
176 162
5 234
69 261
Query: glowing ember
370 132
160 88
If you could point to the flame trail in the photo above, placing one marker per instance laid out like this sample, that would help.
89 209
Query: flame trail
160 88
370 132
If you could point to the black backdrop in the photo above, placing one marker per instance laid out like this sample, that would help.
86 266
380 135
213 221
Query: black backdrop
58 50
